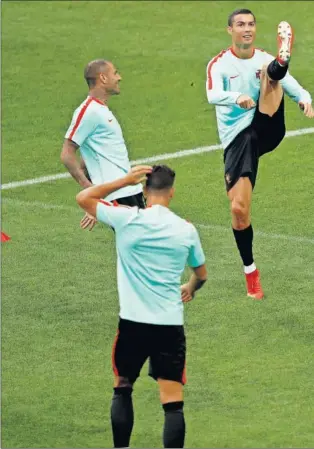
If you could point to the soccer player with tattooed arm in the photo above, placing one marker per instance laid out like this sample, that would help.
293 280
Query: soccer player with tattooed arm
153 247
247 86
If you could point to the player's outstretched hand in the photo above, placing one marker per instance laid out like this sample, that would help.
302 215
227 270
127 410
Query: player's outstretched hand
246 102
186 294
138 174
88 222
307 109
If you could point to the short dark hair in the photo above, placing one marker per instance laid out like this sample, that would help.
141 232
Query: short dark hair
161 178
237 12
92 69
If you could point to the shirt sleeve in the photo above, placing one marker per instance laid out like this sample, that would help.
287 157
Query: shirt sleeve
196 254
114 216
83 124
294 90
215 86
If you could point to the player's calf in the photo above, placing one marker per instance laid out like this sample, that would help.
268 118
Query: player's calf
174 426
271 93
122 416
171 396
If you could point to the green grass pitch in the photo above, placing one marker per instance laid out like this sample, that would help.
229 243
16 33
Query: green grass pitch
250 364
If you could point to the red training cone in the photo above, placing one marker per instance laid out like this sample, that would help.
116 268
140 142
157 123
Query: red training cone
4 237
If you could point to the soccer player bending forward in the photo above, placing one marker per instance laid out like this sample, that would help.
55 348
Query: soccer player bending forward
247 86
153 246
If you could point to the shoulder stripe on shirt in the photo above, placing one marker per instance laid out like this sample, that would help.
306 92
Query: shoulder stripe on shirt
213 61
80 116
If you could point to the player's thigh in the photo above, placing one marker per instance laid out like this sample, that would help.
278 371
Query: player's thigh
130 350
241 159
168 354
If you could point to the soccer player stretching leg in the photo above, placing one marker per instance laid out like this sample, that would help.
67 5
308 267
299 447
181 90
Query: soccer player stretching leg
153 247
247 86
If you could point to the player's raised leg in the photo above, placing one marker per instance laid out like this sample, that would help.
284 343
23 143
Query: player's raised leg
271 92
240 196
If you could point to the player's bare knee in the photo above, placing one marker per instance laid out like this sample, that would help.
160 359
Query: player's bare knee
170 391
239 209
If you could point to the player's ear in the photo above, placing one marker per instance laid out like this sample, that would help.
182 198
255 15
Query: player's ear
103 78
229 30
172 191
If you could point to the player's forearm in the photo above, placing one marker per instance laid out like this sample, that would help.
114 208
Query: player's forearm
195 283
85 171
71 163
294 90
222 98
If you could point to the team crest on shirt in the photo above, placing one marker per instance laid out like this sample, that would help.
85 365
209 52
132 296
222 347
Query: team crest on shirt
258 74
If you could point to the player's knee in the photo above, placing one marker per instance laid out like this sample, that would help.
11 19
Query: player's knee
123 382
170 391
239 209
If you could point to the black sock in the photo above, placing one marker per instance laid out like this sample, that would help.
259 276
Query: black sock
122 417
275 71
244 239
174 427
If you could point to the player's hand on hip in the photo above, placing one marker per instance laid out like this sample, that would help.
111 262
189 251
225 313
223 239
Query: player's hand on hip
186 294
138 174
245 102
307 109
88 222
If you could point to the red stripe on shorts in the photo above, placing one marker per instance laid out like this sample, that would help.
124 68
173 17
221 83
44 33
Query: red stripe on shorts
114 366
184 379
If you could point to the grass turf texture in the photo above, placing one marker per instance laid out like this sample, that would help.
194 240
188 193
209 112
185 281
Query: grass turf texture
250 364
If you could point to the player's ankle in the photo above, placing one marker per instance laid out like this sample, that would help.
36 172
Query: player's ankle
248 269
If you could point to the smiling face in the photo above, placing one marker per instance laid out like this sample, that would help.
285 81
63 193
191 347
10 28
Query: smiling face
243 30
110 79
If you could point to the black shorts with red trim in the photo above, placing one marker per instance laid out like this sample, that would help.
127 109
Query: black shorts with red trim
242 155
163 345
137 200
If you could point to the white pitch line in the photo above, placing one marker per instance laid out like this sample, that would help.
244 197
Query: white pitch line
286 237
158 157
206 227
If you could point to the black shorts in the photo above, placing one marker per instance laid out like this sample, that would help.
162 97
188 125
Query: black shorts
137 200
262 136
164 345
